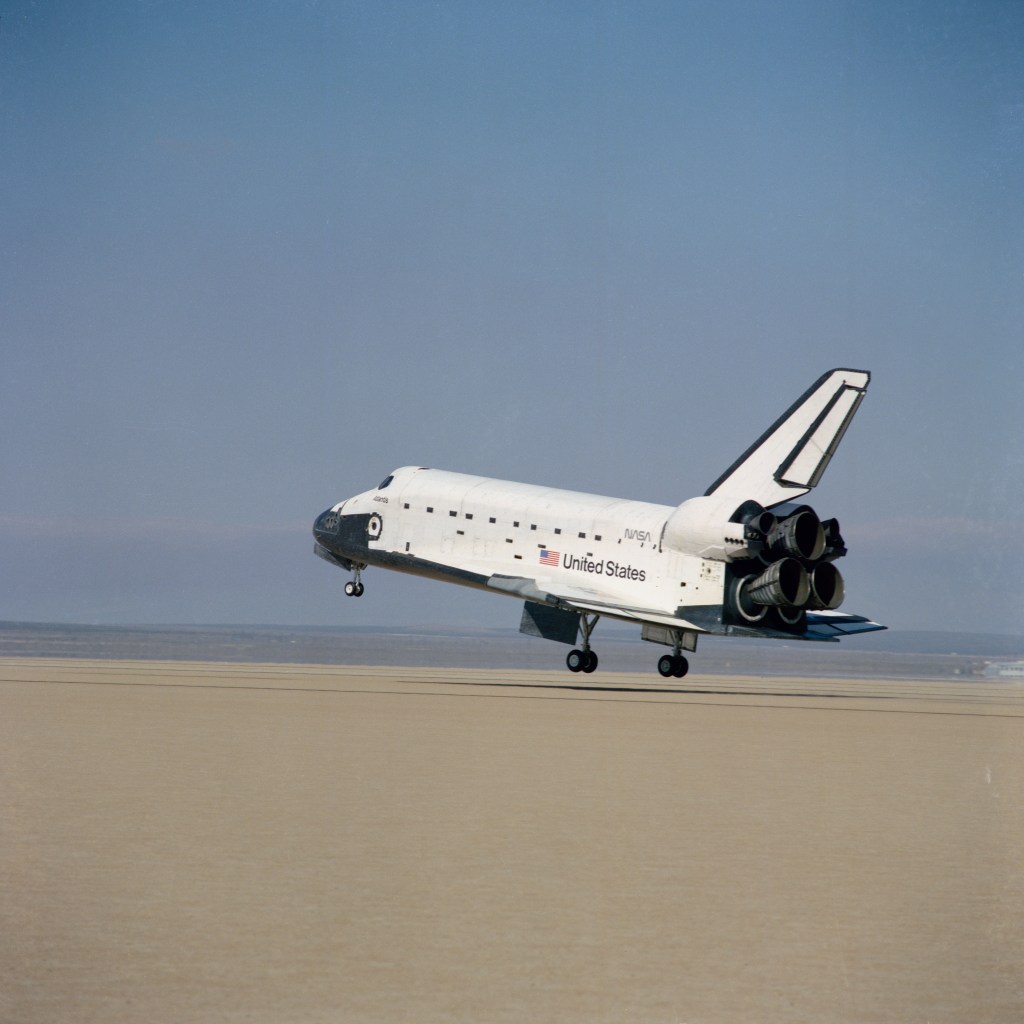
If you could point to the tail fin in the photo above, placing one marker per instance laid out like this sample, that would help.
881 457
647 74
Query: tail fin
789 458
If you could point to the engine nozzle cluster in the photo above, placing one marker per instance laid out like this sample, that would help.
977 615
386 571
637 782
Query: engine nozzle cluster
799 550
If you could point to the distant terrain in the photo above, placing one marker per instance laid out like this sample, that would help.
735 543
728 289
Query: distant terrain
890 654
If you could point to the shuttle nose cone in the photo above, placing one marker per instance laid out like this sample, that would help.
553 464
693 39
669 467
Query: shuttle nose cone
325 525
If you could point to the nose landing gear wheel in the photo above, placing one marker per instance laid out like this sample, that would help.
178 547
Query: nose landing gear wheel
353 589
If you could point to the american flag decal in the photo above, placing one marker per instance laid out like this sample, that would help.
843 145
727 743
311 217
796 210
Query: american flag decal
548 557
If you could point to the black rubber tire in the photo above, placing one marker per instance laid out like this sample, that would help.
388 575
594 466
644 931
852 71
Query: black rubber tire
575 660
591 661
666 665
682 666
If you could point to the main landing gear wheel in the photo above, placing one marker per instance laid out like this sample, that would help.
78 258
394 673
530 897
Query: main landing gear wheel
353 589
581 661
673 665
584 660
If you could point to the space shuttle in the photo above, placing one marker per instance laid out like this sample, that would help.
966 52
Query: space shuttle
746 558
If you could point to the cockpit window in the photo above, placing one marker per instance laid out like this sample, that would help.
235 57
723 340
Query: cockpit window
386 481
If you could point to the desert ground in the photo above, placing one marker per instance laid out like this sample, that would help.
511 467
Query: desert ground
186 841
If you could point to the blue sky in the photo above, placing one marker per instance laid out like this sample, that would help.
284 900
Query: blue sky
254 256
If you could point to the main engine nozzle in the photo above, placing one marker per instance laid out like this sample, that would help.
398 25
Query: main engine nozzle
799 535
783 583
827 589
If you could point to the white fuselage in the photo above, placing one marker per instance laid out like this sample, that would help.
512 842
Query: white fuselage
610 547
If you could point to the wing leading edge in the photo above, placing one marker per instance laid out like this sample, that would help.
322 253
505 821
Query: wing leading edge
789 458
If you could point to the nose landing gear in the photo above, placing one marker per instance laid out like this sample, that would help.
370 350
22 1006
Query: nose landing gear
354 587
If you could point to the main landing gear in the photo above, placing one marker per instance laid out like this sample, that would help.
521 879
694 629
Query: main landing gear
354 587
581 661
584 660
673 665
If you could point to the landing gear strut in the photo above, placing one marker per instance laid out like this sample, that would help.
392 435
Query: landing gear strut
674 664
354 587
584 660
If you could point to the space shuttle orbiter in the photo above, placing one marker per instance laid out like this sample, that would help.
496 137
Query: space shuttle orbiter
743 559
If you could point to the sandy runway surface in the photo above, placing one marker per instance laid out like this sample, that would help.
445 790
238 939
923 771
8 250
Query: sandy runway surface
262 843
